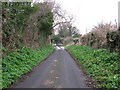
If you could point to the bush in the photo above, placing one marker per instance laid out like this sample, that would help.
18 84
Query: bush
21 62
101 65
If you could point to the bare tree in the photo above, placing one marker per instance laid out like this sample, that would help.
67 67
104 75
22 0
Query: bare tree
60 16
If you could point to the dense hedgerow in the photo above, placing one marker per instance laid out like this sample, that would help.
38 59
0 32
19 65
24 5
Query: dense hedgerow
100 64
21 62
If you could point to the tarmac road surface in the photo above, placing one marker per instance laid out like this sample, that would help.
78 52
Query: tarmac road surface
59 70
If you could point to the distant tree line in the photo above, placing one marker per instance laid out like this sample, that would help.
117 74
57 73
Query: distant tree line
66 34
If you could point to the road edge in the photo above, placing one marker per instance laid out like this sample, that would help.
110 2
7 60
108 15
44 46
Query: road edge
89 82
26 75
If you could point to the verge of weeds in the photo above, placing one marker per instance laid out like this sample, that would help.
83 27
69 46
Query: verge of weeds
100 64
20 62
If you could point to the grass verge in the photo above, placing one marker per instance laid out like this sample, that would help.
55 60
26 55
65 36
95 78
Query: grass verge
101 65
20 62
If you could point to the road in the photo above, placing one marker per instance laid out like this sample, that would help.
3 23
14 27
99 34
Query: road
59 70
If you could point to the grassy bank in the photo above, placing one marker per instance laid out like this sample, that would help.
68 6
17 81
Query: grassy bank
101 65
20 62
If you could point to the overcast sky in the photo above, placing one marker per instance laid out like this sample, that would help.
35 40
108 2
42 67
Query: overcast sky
91 12
88 13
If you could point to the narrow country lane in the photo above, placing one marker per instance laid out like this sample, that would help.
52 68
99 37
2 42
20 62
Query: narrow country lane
58 71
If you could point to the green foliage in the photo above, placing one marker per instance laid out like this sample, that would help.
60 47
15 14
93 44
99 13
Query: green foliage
46 21
20 62
104 35
26 25
15 16
101 65
0 73
20 27
56 39
113 41
76 41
